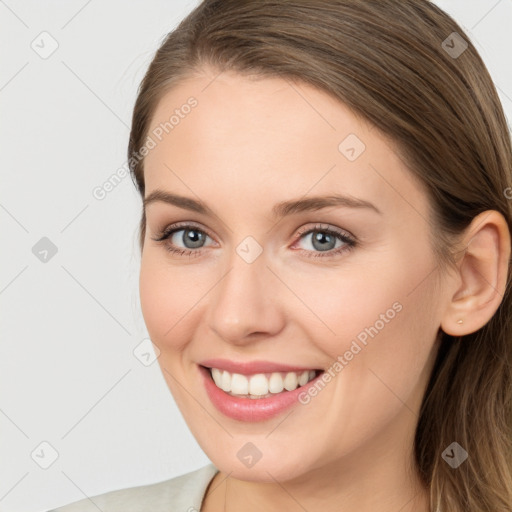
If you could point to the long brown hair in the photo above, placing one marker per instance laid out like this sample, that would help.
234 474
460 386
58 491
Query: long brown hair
397 64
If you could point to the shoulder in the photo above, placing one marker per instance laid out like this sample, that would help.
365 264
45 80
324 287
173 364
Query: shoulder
184 492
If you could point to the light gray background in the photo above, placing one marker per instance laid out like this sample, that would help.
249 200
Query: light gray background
68 374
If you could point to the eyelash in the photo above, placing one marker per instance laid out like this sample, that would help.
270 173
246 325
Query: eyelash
349 241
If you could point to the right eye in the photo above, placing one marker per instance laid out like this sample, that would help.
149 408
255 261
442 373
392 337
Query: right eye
190 236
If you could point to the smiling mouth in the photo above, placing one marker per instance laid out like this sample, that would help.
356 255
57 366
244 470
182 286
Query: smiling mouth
260 385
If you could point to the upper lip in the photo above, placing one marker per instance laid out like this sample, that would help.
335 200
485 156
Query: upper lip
252 367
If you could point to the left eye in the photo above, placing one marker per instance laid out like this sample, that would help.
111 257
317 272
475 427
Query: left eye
323 240
326 241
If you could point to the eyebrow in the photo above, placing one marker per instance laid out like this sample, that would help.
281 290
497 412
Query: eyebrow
279 210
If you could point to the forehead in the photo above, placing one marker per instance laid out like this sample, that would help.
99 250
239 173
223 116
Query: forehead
227 133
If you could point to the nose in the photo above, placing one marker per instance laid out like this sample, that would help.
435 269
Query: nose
244 306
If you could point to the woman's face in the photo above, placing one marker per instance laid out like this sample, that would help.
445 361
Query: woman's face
272 270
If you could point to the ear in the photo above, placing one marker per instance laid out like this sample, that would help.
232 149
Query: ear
481 279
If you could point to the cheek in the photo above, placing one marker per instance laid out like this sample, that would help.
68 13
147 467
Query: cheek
345 305
167 298
383 335
380 313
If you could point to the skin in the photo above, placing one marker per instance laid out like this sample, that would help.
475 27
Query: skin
249 144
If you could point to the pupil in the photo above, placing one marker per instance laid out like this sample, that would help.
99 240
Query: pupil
321 238
194 237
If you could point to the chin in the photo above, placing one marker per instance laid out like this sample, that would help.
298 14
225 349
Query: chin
273 465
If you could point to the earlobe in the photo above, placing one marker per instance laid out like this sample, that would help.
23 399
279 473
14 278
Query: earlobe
482 275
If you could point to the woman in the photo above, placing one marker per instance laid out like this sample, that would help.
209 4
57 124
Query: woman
325 266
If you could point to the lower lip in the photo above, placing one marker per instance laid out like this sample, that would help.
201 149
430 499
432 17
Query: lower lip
252 409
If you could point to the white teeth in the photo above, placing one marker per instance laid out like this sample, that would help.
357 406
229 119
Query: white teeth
304 377
260 385
240 384
290 381
225 382
275 383
217 376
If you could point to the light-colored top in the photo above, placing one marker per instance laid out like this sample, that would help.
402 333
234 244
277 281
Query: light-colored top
184 493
